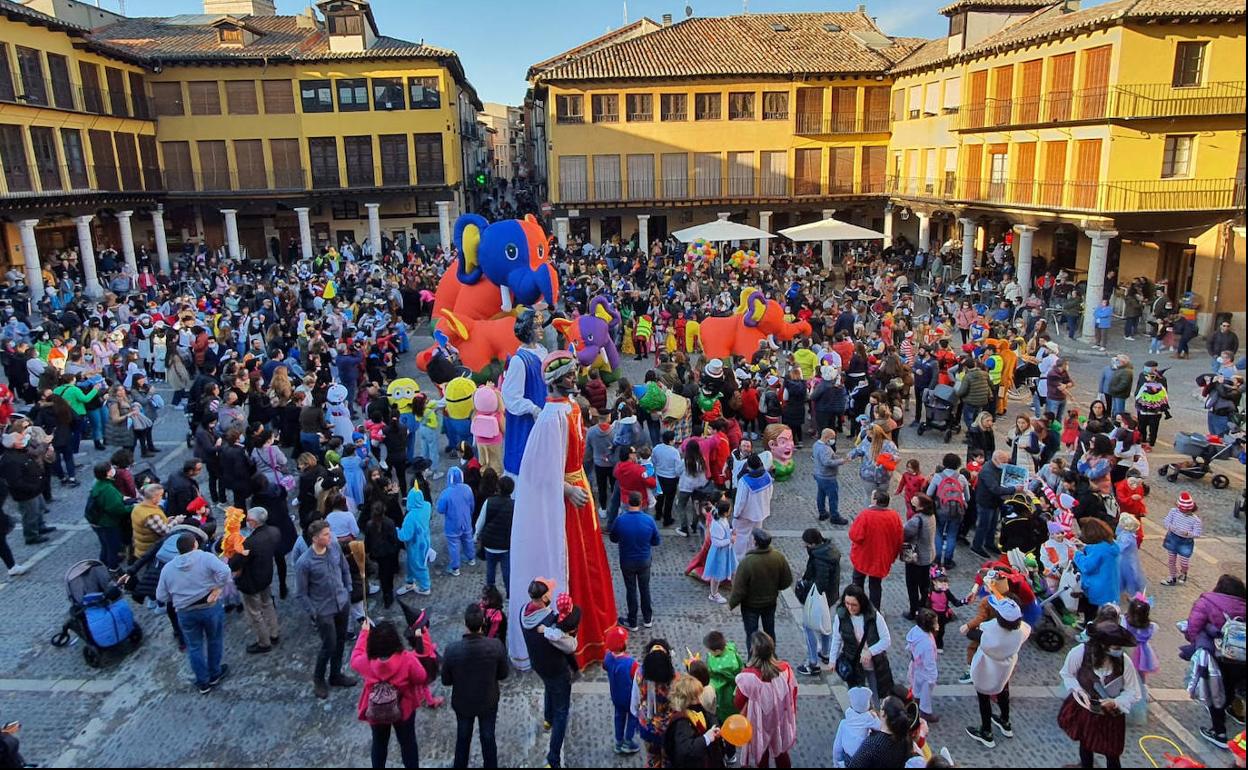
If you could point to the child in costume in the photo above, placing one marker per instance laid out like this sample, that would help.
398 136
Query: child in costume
922 674
414 535
1130 571
1183 526
621 668
941 601
1055 554
1130 493
724 663
721 559
487 427
1142 628
421 642
859 721
492 607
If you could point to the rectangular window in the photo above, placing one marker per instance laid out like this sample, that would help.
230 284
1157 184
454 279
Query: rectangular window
844 110
1095 82
606 108
128 161
47 164
1053 180
116 82
841 170
952 98
1087 172
394 163
138 96
640 177
1003 93
287 164
974 181
914 101
674 107
359 155
929 171
639 107
346 24
774 173
1061 84
316 96
1189 64
707 106
92 95
807 172
741 174
168 99
873 168
13 157
58 74
249 160
1028 103
429 164
30 67
775 105
179 176
1176 159
899 105
352 94
998 168
388 94
708 175
323 159
573 179
7 93
809 110
240 97
931 98
205 97
977 100
75 159
876 118
103 160
150 163
1025 173
675 175
569 108
424 93
741 105
279 99
607 177
950 178
214 165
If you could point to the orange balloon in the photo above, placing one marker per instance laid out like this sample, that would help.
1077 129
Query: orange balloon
737 730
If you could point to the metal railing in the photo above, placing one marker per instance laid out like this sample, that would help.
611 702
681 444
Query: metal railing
1125 196
231 180
569 119
75 97
733 186
813 124
1125 102
80 180
920 187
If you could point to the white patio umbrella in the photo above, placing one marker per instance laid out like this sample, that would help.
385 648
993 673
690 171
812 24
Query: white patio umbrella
721 230
829 230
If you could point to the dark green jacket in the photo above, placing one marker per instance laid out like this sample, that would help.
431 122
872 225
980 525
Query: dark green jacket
760 577
110 507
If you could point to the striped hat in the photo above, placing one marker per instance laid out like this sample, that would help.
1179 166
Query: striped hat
1186 503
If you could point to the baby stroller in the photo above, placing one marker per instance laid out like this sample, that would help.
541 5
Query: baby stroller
1204 450
1057 623
939 411
98 614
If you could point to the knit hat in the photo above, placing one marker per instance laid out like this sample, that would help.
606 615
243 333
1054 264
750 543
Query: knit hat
1186 503
860 699
617 639
1067 502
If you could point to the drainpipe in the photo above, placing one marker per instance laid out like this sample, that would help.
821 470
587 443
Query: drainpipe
1224 238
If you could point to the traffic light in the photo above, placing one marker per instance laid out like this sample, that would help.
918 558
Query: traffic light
481 180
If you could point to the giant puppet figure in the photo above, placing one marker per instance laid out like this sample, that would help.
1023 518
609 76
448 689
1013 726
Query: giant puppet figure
555 533
755 319
524 390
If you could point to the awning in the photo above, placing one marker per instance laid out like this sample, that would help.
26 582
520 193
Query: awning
830 230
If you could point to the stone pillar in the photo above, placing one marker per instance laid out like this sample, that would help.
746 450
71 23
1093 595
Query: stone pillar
888 228
561 231
231 233
30 258
127 240
1096 279
444 224
925 231
162 245
643 233
374 227
764 244
1023 253
825 247
86 254
305 232
969 227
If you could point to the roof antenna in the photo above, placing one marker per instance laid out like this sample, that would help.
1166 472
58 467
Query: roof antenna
626 13
745 6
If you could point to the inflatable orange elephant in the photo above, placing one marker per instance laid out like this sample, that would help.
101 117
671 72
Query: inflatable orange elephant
739 334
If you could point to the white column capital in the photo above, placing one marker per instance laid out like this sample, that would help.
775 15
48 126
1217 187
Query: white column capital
124 214
828 213
723 215
922 215
765 214
302 210
643 217
444 205
28 224
84 219
373 206
229 212
968 222
1101 235
1025 228
160 209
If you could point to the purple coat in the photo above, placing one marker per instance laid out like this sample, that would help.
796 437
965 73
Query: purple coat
1208 615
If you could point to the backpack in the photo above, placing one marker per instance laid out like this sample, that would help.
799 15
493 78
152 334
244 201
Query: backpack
485 426
950 499
383 706
1231 642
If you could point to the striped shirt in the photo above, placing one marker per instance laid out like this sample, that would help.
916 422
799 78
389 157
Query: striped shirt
1183 524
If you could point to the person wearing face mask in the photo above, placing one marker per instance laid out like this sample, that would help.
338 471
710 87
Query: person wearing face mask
108 515
1103 686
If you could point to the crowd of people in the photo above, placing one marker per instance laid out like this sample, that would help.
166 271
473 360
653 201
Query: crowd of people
285 374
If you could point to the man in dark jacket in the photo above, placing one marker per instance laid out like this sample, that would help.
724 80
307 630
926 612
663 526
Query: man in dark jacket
756 587
253 576
989 494
472 668
793 412
636 533
25 474
924 377
323 583
823 574
493 532
1221 341
181 488
550 653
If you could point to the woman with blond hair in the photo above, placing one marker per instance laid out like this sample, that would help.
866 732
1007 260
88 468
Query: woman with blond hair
692 738
879 459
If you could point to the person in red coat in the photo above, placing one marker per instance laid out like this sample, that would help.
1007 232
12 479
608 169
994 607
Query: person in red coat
1131 492
720 453
875 540
630 475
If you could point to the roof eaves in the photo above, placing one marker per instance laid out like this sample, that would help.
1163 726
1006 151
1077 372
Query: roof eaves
18 12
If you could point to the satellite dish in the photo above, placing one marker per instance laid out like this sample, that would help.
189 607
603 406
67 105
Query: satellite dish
688 11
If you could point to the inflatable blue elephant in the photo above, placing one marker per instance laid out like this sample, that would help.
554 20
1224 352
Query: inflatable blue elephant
511 253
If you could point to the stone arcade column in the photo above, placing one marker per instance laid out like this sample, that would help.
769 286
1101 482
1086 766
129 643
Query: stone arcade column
374 227
925 231
643 233
30 259
127 240
825 247
764 244
1026 234
444 225
969 227
86 253
1096 279
561 231
305 231
232 249
162 245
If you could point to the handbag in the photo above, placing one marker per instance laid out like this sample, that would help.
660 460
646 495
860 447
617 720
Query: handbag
283 480
909 553
848 668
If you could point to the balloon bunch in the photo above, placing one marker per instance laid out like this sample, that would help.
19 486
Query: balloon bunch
701 249
744 260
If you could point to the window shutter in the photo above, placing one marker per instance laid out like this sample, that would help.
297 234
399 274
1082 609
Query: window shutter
279 97
641 177
573 179
240 97
606 177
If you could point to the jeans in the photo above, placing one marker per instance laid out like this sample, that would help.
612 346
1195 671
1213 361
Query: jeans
96 417
752 616
1072 325
406 733
111 546
492 562
625 724
77 430
65 467
875 587
204 626
428 447
1117 406
1129 326
333 631
816 645
603 481
1058 408
969 413
459 547
310 442
986 530
946 538
667 500
1218 424
637 580
556 703
828 497
613 505
463 739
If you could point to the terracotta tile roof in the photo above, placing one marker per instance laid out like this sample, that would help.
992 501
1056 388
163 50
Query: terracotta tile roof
642 26
1026 5
781 44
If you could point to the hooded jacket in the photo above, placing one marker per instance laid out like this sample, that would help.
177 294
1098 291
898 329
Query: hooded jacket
548 655
456 503
754 490
858 722
190 577
404 671
1208 615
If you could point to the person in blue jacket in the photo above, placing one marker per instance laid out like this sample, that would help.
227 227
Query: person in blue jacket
457 503
636 533
414 534
1104 316
1098 563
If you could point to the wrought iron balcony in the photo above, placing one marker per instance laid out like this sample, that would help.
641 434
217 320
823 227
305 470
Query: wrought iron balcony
1141 101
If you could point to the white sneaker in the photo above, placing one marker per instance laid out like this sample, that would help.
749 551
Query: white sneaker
17 570
406 589
374 589
472 562
718 599
1129 339
424 591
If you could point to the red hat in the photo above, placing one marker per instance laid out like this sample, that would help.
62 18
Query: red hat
563 605
1186 503
196 505
617 639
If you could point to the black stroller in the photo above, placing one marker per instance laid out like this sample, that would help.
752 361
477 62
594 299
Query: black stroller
939 411
1203 452
98 614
